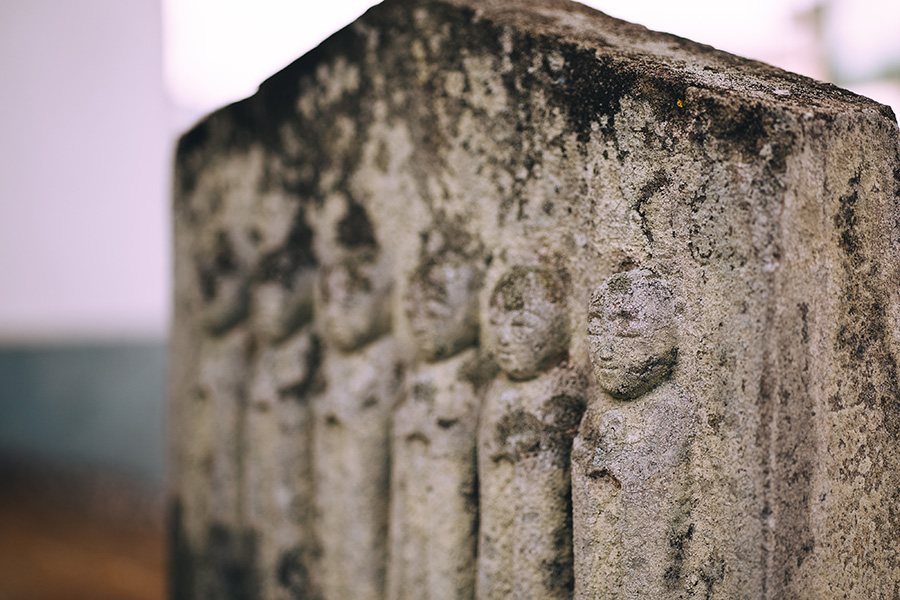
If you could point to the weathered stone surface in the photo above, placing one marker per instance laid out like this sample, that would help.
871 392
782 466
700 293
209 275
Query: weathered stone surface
528 419
434 492
413 260
632 486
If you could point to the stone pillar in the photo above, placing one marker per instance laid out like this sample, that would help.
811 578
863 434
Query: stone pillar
514 300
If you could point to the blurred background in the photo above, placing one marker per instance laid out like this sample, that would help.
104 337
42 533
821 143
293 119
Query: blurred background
94 95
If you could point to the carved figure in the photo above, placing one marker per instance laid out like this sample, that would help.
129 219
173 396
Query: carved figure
524 440
219 408
278 475
224 284
224 259
278 468
352 422
434 505
629 461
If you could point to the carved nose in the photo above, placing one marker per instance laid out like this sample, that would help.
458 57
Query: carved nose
504 340
605 352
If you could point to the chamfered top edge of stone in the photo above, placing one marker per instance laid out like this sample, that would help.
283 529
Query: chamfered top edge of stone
611 44
664 54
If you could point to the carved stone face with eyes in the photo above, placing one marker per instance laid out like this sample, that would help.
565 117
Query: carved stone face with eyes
352 300
632 335
526 329
442 307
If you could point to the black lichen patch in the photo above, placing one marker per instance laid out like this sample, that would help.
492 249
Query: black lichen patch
227 566
522 282
559 571
521 435
605 476
845 221
656 183
740 124
748 130
223 262
293 573
679 543
712 575
449 242
564 411
290 258
863 338
803 307
478 371
447 423
355 229
313 380
270 121
714 420
357 266
593 89
620 283
228 127
423 393
864 331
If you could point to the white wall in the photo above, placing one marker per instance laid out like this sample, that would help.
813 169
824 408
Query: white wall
84 157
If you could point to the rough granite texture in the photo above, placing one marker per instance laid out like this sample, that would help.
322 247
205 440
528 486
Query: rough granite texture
411 262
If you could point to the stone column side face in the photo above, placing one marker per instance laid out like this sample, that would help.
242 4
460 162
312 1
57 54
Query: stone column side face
455 141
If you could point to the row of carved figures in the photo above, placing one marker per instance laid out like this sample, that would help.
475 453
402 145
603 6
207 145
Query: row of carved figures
490 468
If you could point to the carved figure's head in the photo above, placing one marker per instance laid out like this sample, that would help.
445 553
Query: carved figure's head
526 329
632 334
352 299
285 279
281 307
442 305
223 277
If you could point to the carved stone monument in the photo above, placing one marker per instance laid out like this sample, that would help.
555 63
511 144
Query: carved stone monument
490 299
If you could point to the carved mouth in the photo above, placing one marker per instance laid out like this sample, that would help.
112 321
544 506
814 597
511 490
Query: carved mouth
505 355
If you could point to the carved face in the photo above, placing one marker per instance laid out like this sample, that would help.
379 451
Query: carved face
633 341
352 300
526 328
285 275
224 282
281 309
442 309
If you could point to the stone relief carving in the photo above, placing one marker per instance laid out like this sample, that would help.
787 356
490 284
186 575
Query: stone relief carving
277 455
361 443
434 505
277 469
530 415
223 261
361 377
221 394
631 496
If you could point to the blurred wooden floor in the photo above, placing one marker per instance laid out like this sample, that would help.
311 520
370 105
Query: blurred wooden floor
55 546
